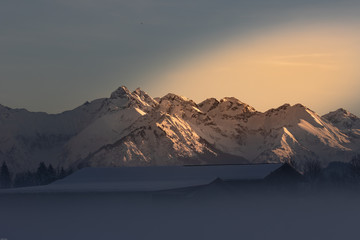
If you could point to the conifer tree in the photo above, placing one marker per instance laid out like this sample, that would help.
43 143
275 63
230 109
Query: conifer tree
5 179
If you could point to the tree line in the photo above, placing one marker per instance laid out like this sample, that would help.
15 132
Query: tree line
42 176
313 172
344 172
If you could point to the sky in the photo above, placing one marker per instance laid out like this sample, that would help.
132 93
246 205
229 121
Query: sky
55 55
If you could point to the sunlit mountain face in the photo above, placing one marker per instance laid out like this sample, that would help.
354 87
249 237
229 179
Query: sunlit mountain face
130 128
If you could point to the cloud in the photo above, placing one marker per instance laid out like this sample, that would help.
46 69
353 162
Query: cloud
303 64
306 55
317 60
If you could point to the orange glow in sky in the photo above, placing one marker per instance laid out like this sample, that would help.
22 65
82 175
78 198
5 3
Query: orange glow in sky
316 66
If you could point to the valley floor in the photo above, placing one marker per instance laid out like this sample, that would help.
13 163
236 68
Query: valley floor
209 212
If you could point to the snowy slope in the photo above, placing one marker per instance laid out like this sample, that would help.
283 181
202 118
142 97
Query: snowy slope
297 133
157 139
282 134
108 128
343 119
154 178
28 138
348 123
133 129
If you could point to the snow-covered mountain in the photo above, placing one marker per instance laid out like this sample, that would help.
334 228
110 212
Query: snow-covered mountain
348 123
344 120
133 129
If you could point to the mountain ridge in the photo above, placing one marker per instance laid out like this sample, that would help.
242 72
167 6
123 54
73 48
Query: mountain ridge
134 129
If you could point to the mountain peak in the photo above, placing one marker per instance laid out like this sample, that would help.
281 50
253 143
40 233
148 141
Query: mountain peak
172 96
340 113
138 91
227 107
208 104
120 92
343 111
343 119
234 105
143 96
286 106
231 99
299 105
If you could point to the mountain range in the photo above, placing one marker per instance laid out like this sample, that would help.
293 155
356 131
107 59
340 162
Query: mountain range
134 129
